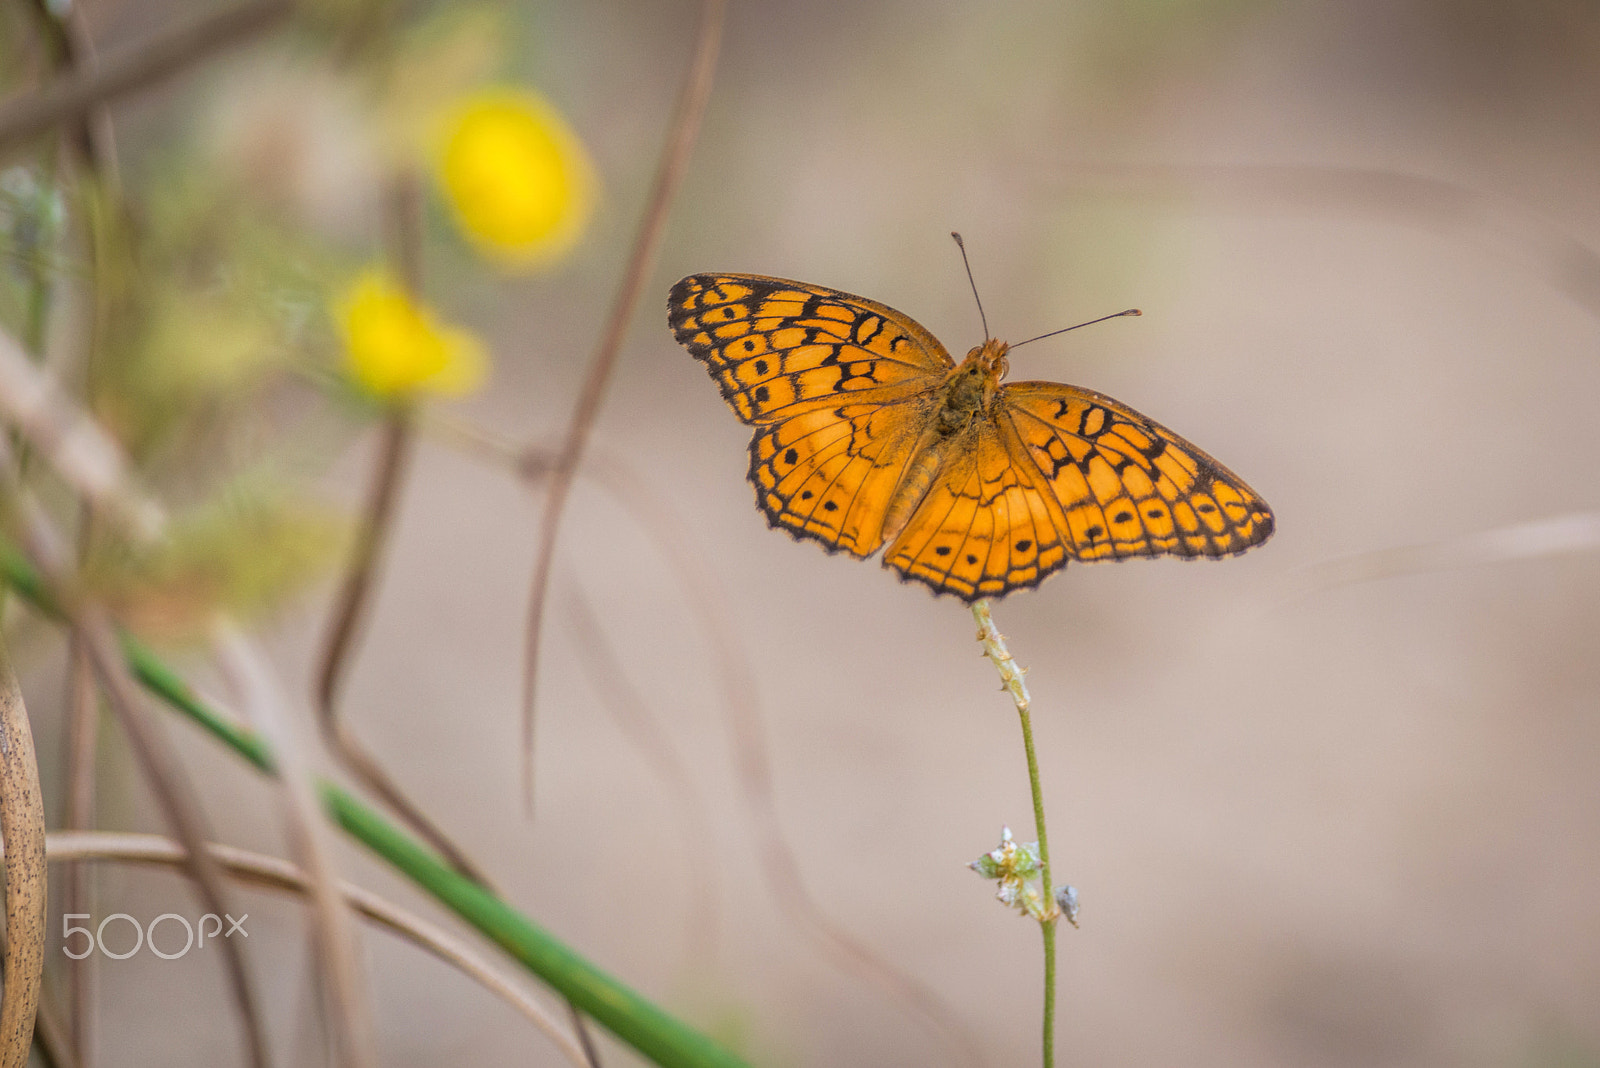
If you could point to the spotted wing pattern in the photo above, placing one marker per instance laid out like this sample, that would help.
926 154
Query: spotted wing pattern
988 524
829 473
837 386
778 348
1126 485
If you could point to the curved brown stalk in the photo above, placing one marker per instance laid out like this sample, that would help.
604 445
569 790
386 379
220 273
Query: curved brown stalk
176 797
90 136
632 710
128 69
273 873
354 595
83 731
61 433
779 867
22 828
692 97
72 49
349 609
343 985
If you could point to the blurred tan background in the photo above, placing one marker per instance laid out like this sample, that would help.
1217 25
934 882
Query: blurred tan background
1313 822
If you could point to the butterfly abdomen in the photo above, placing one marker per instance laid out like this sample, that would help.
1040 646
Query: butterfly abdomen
926 459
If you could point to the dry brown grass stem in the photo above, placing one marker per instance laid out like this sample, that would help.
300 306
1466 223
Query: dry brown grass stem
91 135
83 735
68 98
350 604
780 868
41 425
75 446
349 1011
179 804
22 828
272 873
691 104
71 48
633 712
354 594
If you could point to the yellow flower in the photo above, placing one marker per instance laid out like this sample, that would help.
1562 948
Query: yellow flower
517 179
395 347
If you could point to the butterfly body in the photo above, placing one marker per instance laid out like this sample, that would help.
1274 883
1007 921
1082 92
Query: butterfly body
963 398
867 433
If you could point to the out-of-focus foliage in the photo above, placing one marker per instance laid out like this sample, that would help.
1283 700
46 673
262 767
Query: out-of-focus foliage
206 303
212 299
245 550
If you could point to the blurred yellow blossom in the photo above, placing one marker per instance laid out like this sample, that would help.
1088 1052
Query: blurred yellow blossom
516 177
394 347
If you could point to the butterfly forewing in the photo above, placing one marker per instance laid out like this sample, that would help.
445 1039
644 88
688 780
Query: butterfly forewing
777 348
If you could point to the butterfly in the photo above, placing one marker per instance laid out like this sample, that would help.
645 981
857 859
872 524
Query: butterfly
867 432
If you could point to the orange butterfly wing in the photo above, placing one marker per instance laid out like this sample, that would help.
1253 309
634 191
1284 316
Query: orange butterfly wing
839 388
777 347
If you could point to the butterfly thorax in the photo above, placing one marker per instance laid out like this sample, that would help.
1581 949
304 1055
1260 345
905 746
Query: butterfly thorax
970 387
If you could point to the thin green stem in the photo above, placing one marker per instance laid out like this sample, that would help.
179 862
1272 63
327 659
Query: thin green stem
37 314
1047 927
994 646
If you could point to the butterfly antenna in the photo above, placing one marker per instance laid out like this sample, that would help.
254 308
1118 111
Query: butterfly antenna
962 245
1091 322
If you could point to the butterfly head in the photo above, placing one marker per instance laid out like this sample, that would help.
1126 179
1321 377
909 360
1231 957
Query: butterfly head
991 358
987 363
971 385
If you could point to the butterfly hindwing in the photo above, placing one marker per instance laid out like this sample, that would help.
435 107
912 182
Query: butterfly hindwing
828 473
777 348
1126 485
1056 473
987 524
